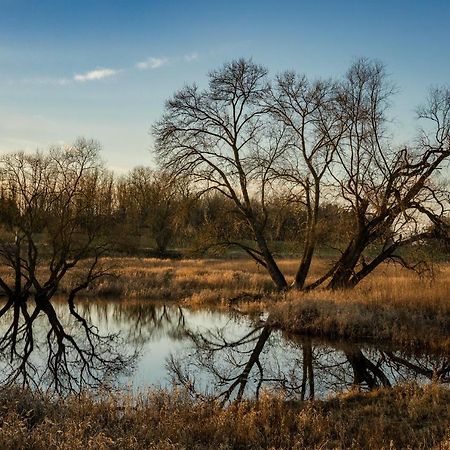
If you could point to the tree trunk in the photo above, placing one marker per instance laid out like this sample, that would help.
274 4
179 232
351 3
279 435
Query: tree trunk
272 267
303 268
310 241
343 275
365 370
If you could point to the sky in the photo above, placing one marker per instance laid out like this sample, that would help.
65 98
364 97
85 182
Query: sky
103 69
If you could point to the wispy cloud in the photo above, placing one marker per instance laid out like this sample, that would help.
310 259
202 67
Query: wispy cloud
152 63
97 74
190 57
100 73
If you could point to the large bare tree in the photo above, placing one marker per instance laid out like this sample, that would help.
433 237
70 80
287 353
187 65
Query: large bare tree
222 138
249 140
392 192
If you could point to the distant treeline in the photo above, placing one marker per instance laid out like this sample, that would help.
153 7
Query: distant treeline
148 212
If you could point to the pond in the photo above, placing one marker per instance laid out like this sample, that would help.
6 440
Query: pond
224 354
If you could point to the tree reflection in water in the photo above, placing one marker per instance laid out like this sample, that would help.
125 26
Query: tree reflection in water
54 347
138 321
240 358
212 354
298 367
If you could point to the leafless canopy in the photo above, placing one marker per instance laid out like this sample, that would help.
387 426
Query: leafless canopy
246 139
223 139
54 208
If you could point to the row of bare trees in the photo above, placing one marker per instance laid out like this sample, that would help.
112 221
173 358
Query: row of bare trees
249 138
246 162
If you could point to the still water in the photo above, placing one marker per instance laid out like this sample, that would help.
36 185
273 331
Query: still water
212 353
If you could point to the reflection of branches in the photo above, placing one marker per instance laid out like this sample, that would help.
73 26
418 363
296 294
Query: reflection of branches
241 380
54 219
308 374
244 356
238 364
141 321
365 371
299 368
62 355
439 370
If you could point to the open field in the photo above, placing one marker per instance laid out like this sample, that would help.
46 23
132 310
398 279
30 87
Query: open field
406 417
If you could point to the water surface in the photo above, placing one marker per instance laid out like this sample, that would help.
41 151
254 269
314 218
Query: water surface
221 352
139 344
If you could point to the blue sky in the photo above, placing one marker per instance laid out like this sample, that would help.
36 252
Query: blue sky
103 69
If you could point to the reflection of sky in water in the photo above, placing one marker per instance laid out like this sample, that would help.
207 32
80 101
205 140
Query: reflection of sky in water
192 337
159 332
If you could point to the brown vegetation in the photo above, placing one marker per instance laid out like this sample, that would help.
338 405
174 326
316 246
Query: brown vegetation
402 417
394 306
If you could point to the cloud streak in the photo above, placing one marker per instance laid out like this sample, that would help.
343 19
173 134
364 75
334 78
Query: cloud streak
152 63
97 74
101 73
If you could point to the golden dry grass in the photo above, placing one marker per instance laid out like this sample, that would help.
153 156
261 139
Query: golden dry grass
393 305
406 417
199 280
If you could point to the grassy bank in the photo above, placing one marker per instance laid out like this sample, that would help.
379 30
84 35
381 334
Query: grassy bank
394 306
410 325
403 417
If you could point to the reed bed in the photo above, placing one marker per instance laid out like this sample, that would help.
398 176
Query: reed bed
405 417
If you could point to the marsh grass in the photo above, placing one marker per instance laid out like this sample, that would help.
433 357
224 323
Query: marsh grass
394 305
190 280
404 417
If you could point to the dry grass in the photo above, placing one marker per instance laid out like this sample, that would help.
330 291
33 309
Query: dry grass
407 417
393 305
200 280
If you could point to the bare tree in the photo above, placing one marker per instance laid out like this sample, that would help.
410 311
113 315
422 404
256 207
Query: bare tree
308 110
250 142
222 139
392 193
58 213
155 201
